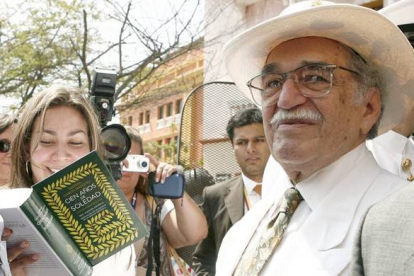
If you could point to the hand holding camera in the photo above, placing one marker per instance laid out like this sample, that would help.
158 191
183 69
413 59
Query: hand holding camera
164 182
136 163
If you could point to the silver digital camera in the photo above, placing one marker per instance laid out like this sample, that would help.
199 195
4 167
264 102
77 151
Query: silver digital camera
136 163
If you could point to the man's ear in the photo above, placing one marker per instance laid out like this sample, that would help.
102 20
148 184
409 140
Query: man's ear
372 109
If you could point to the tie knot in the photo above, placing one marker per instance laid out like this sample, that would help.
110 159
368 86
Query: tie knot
258 189
292 199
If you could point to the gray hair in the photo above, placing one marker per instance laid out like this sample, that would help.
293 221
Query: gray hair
368 77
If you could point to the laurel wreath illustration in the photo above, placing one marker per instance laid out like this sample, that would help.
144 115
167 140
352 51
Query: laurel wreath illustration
103 232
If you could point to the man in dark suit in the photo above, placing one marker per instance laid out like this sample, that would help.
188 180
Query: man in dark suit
225 203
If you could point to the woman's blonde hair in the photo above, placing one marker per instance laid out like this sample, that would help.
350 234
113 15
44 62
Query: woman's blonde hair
133 133
37 107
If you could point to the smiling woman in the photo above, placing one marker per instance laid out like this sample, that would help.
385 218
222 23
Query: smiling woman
59 143
56 127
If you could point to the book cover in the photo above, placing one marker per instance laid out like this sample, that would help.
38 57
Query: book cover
82 214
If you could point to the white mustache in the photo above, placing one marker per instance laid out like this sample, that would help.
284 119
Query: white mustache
298 114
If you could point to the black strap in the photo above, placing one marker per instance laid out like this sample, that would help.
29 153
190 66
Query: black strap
134 200
154 240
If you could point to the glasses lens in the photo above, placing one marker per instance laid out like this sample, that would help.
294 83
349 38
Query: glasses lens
256 95
4 146
264 87
315 80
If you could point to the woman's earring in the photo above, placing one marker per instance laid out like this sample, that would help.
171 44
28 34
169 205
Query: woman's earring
27 167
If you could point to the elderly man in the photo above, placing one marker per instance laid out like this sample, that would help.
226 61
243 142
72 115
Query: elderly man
385 245
321 73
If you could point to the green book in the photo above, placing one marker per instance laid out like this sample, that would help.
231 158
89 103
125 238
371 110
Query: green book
74 219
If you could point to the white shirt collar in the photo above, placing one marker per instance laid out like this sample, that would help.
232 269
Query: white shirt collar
248 184
317 186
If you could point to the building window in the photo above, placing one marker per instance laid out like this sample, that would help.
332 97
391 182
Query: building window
169 109
178 106
160 112
167 141
130 120
147 117
141 118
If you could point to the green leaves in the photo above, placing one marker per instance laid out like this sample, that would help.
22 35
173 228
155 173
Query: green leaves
37 45
46 41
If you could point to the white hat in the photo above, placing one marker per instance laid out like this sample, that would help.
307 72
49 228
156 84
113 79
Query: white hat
369 33
400 13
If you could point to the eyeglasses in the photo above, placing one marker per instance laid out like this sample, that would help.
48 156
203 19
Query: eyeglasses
314 80
4 146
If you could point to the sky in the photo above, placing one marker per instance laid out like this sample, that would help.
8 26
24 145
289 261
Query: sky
146 13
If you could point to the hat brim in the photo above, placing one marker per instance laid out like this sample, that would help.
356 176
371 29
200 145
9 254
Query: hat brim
400 13
369 33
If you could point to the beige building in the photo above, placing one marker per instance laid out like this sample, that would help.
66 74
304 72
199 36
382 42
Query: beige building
154 107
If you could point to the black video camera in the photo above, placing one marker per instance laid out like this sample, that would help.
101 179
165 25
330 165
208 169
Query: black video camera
103 94
116 141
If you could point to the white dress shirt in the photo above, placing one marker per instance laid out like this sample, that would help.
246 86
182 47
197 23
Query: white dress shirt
270 176
319 238
254 197
390 149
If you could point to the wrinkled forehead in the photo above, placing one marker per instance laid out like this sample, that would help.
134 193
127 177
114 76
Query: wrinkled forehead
304 50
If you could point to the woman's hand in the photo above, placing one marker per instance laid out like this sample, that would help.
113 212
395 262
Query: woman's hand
163 170
186 224
14 255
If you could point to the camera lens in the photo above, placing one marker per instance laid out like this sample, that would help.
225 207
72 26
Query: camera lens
115 142
142 164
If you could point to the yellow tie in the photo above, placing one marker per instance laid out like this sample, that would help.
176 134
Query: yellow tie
253 261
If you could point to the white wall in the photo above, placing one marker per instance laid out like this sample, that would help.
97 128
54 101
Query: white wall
222 18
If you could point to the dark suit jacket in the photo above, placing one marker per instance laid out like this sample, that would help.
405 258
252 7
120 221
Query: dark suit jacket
223 206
